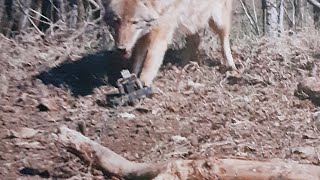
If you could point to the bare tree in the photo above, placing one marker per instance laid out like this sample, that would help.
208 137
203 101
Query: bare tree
316 11
281 16
298 15
272 18
252 19
20 15
264 14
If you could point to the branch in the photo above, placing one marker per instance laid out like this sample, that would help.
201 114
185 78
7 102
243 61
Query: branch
95 4
314 3
104 159
288 16
211 168
31 21
252 22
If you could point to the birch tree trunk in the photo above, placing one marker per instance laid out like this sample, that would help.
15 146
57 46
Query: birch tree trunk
281 17
272 18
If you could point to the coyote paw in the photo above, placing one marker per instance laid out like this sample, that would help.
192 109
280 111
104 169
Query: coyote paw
224 69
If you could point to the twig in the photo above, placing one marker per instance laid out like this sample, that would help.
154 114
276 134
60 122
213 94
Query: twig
31 21
288 16
253 24
7 39
54 6
314 3
255 13
82 31
96 5
36 12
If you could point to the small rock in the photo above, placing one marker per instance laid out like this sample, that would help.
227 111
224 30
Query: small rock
194 141
24 133
156 111
277 124
309 88
179 139
194 85
46 104
126 115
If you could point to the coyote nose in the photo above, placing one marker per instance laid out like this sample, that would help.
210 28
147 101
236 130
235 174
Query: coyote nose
124 51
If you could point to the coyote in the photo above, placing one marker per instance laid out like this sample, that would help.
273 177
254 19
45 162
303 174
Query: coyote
145 28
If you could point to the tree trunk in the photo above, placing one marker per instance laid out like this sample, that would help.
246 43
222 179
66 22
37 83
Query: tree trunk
316 17
36 6
62 11
298 16
272 18
24 10
281 17
264 15
81 13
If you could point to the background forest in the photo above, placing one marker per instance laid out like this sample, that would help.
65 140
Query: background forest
252 17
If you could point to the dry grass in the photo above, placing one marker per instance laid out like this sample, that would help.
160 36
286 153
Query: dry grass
200 112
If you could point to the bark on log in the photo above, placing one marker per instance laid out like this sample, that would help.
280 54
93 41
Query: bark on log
224 169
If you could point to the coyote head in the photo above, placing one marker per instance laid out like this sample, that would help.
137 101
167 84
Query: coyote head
132 20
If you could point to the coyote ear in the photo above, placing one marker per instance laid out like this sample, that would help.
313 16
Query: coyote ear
145 3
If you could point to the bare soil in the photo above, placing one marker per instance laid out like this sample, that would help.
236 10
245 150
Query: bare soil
198 111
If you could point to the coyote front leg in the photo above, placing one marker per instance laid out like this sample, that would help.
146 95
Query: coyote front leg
139 54
159 39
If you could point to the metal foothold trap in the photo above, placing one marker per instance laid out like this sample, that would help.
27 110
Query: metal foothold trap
131 90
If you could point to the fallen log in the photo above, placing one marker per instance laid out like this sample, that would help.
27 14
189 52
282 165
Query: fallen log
112 164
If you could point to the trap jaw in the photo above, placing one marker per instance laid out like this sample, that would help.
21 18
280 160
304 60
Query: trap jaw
131 89
128 83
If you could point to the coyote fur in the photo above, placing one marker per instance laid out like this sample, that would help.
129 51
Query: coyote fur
145 28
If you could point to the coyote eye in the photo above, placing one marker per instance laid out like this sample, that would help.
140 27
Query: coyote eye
116 20
135 22
149 20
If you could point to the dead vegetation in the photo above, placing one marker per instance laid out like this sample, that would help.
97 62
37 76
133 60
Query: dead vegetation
198 112
60 74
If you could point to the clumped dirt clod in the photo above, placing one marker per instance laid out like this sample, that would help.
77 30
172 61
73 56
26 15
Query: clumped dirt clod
197 111
309 88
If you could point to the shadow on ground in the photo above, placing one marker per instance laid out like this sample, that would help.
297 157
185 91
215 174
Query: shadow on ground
85 74
102 68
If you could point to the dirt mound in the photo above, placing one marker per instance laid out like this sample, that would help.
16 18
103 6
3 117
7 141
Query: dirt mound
198 111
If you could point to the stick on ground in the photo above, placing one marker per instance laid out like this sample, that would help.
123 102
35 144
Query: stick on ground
113 164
